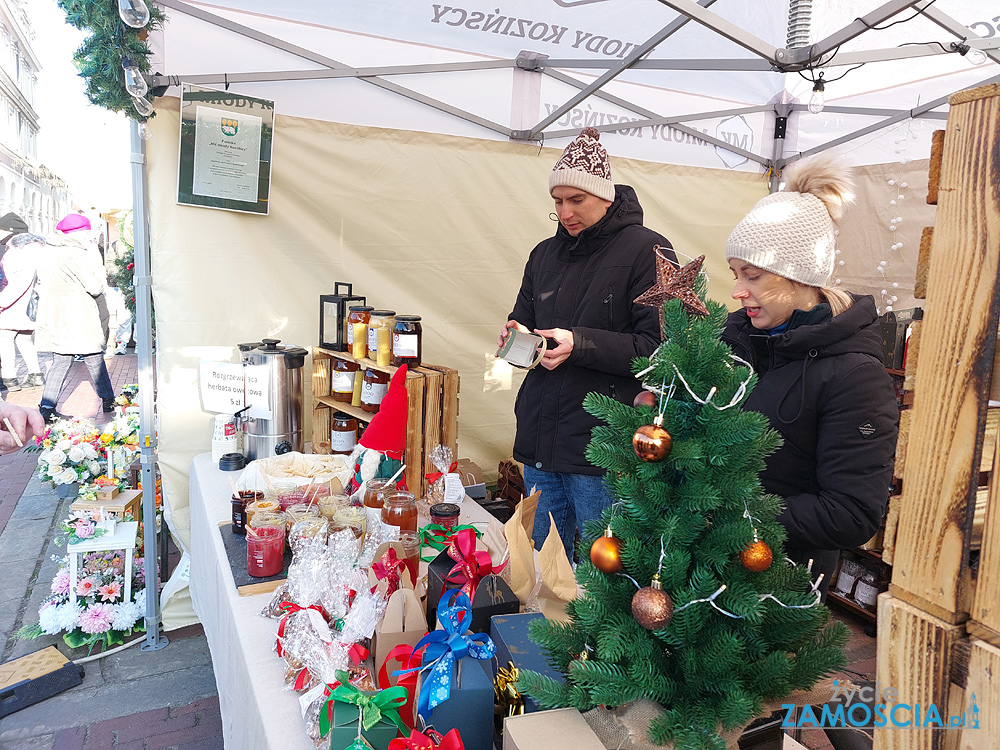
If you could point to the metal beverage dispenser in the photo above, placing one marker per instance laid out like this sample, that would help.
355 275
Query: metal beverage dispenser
281 433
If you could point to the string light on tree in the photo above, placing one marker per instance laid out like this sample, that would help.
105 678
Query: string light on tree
133 13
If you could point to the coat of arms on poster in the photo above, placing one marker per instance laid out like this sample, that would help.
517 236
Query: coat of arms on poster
225 153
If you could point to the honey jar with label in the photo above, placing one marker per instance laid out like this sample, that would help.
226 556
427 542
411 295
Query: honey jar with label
373 389
407 341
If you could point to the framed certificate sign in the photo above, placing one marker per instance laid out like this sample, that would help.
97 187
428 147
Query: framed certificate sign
225 153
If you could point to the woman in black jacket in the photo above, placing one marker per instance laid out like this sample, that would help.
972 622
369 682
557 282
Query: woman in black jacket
817 353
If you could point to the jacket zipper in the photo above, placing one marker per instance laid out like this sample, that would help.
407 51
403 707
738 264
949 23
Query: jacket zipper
611 310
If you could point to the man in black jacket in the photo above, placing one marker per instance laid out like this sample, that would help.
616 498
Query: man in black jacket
578 291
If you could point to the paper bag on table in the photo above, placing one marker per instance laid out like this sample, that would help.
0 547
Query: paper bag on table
495 542
402 623
557 586
522 557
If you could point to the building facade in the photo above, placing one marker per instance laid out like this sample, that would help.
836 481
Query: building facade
27 187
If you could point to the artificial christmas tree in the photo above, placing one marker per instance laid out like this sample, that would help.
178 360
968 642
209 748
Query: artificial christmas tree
686 623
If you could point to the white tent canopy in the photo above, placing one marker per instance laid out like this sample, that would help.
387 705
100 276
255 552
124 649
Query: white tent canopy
412 143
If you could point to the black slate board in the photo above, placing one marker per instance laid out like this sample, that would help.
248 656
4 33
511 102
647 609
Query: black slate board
236 551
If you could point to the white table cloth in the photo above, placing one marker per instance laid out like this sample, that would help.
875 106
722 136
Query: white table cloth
257 712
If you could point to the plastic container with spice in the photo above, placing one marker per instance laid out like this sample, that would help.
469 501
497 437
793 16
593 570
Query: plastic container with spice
343 433
407 341
373 389
343 376
380 336
357 329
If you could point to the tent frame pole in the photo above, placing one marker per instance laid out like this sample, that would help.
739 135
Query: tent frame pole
144 347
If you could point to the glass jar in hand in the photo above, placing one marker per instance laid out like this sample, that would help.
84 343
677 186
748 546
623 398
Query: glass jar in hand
400 510
407 341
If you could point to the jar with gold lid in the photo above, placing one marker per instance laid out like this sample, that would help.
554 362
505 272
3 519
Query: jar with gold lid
380 336
357 329
407 341
373 389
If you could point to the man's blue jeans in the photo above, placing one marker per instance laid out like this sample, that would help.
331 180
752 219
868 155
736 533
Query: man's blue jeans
572 499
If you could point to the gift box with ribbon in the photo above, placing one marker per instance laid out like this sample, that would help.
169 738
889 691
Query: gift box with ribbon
516 651
428 740
351 717
468 568
456 691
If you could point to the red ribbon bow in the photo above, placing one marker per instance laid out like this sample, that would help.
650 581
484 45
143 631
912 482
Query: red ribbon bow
408 659
358 653
436 475
471 565
390 566
290 608
435 741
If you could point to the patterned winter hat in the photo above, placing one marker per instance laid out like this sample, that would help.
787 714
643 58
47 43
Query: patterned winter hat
791 232
584 164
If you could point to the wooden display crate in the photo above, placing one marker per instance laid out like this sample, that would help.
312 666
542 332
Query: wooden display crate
128 501
432 419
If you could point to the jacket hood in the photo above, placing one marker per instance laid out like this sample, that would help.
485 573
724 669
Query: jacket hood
624 211
58 239
855 330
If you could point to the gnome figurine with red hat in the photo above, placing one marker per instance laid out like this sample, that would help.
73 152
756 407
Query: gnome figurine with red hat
379 453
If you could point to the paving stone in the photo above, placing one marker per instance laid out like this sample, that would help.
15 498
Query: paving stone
24 539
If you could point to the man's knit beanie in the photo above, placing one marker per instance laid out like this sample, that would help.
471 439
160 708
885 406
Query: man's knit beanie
584 164
791 232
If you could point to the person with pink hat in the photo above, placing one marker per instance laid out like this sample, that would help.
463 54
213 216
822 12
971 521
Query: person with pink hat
72 312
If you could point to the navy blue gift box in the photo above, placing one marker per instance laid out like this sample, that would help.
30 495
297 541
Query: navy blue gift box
510 635
469 709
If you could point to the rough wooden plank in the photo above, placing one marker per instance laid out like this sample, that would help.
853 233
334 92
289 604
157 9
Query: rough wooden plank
321 429
989 440
901 441
958 338
923 263
891 523
982 698
959 671
995 382
914 657
414 456
912 357
321 380
986 604
432 416
934 171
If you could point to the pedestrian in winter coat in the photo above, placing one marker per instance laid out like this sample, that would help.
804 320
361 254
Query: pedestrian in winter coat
578 290
817 352
72 312
16 327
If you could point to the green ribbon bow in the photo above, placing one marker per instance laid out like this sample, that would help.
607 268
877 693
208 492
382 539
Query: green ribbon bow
372 706
438 537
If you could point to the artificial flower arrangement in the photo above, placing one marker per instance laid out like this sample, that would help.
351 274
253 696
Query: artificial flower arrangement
80 526
69 452
100 616
128 396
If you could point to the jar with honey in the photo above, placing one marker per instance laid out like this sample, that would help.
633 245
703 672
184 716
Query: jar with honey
380 336
344 373
343 433
407 341
357 329
373 389
400 510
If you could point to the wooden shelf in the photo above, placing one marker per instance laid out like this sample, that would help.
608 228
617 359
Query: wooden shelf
857 609
432 416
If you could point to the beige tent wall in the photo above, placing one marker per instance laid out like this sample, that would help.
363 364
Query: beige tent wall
434 225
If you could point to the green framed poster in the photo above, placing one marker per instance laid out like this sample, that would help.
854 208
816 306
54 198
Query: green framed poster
225 150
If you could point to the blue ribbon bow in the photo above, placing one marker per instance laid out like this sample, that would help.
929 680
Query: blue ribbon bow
445 647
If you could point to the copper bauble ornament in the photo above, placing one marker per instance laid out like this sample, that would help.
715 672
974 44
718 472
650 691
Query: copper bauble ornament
757 557
651 442
644 398
606 553
651 606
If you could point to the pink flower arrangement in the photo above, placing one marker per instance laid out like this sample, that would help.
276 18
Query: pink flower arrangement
110 592
97 618
85 530
60 584
85 587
